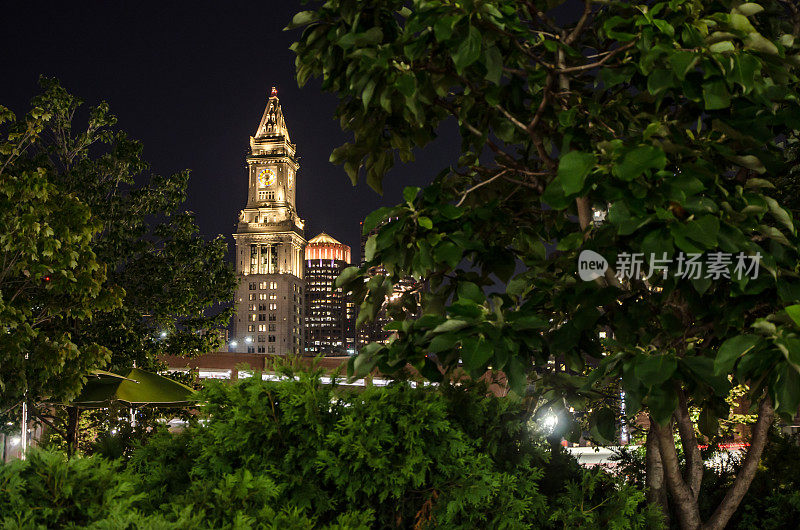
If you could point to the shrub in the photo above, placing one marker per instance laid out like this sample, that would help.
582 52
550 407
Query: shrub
302 454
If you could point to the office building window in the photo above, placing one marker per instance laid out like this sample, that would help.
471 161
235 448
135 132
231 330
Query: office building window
272 317
261 338
262 327
251 349
262 317
273 307
261 349
251 317
272 338
251 327
252 286
262 296
271 349
262 285
251 296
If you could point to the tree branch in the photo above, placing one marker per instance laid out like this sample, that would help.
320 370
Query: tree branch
744 477
478 185
693 474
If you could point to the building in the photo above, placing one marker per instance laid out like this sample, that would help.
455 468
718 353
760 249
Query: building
269 244
330 324
373 331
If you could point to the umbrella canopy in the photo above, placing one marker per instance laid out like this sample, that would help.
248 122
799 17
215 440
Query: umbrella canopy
136 388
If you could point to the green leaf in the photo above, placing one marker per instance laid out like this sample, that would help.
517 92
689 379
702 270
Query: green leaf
470 291
469 51
746 67
347 275
653 370
749 9
370 247
448 252
301 19
494 64
605 422
682 62
716 95
573 168
425 222
756 42
410 193
638 160
731 350
788 390
794 313
659 80
451 325
662 402
475 353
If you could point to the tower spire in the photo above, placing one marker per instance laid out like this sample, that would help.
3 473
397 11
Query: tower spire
272 122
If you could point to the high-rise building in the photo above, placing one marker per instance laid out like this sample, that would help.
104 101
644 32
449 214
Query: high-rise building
329 312
373 331
270 243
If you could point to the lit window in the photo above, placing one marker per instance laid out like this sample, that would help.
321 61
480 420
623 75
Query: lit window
273 297
251 296
262 296
273 307
262 285
261 327
251 327
252 317
273 285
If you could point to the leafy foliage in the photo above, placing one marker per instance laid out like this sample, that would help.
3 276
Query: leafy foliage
650 129
51 278
333 451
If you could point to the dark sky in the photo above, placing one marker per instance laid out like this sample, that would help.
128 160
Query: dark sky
190 80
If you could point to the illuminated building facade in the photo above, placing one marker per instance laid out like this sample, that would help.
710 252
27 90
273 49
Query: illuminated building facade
373 331
329 313
269 244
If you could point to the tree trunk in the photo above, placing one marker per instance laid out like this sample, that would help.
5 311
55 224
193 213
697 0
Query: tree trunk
693 475
656 488
73 414
685 504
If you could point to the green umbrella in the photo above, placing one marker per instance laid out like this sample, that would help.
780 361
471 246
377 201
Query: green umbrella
136 388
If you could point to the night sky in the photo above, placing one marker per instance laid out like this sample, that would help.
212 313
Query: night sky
191 80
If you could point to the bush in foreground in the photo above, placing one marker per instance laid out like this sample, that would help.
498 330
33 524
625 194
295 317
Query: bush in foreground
302 454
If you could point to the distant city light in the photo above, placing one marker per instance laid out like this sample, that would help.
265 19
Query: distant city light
163 334
234 344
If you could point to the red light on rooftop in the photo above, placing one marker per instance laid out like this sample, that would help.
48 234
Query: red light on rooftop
274 92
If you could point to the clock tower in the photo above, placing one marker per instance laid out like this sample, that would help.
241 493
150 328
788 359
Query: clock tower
270 243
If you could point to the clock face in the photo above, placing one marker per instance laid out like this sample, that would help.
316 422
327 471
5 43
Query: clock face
266 178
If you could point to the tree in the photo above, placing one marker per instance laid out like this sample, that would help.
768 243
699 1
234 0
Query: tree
172 284
174 280
633 130
50 276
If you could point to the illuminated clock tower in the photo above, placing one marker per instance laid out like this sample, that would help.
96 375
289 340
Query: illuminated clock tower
270 244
